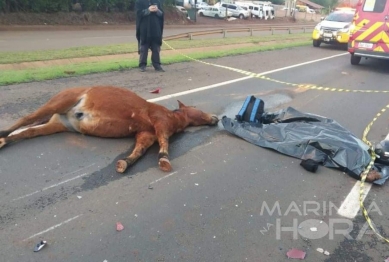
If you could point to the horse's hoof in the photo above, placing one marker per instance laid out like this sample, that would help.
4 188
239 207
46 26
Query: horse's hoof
2 142
121 166
214 120
4 133
164 164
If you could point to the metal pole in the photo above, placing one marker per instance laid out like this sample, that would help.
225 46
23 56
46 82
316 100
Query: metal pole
195 11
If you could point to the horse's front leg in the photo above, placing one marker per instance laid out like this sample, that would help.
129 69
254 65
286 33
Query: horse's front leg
163 155
143 141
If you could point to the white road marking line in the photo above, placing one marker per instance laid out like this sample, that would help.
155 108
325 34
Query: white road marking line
60 183
163 178
350 206
198 89
53 227
79 170
49 187
240 79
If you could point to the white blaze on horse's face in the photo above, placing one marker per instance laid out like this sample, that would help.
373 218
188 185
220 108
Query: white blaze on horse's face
197 117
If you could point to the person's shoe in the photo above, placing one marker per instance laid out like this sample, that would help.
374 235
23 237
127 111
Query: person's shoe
159 69
142 68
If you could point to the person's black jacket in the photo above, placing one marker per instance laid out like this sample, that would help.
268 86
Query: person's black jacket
149 25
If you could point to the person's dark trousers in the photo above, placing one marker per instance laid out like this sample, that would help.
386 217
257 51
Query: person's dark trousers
155 50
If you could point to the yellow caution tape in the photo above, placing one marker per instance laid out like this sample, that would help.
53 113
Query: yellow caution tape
321 88
261 76
364 174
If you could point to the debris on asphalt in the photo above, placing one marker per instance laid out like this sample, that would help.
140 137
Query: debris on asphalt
231 19
156 91
40 245
119 226
150 187
325 252
79 197
296 253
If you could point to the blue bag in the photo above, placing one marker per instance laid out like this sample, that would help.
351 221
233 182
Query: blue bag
251 111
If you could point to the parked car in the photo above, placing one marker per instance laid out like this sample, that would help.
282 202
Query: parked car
201 5
236 10
334 29
212 11
182 9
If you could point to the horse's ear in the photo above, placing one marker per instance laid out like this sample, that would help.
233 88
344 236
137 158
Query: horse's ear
180 104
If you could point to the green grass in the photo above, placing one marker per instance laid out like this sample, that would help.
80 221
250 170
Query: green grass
8 77
45 55
38 74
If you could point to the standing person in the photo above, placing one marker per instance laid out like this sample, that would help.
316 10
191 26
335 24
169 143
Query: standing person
149 29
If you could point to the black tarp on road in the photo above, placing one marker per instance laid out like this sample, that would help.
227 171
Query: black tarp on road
308 136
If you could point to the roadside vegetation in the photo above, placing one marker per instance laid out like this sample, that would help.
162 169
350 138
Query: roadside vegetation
53 6
124 57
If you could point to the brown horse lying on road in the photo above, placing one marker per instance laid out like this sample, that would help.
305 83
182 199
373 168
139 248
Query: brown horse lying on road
107 111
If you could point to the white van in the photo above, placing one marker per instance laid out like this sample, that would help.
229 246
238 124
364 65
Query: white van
256 10
236 10
213 11
267 8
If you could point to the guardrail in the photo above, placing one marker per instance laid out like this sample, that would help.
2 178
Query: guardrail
250 30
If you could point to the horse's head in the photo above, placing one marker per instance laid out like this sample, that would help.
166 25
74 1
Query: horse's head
197 117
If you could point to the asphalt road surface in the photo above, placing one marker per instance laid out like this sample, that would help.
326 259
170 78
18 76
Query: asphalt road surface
59 39
45 40
64 189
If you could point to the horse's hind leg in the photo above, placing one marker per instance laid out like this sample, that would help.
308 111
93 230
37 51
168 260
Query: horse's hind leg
60 103
53 126
143 141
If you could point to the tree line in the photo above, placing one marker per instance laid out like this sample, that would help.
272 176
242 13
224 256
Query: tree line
52 6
